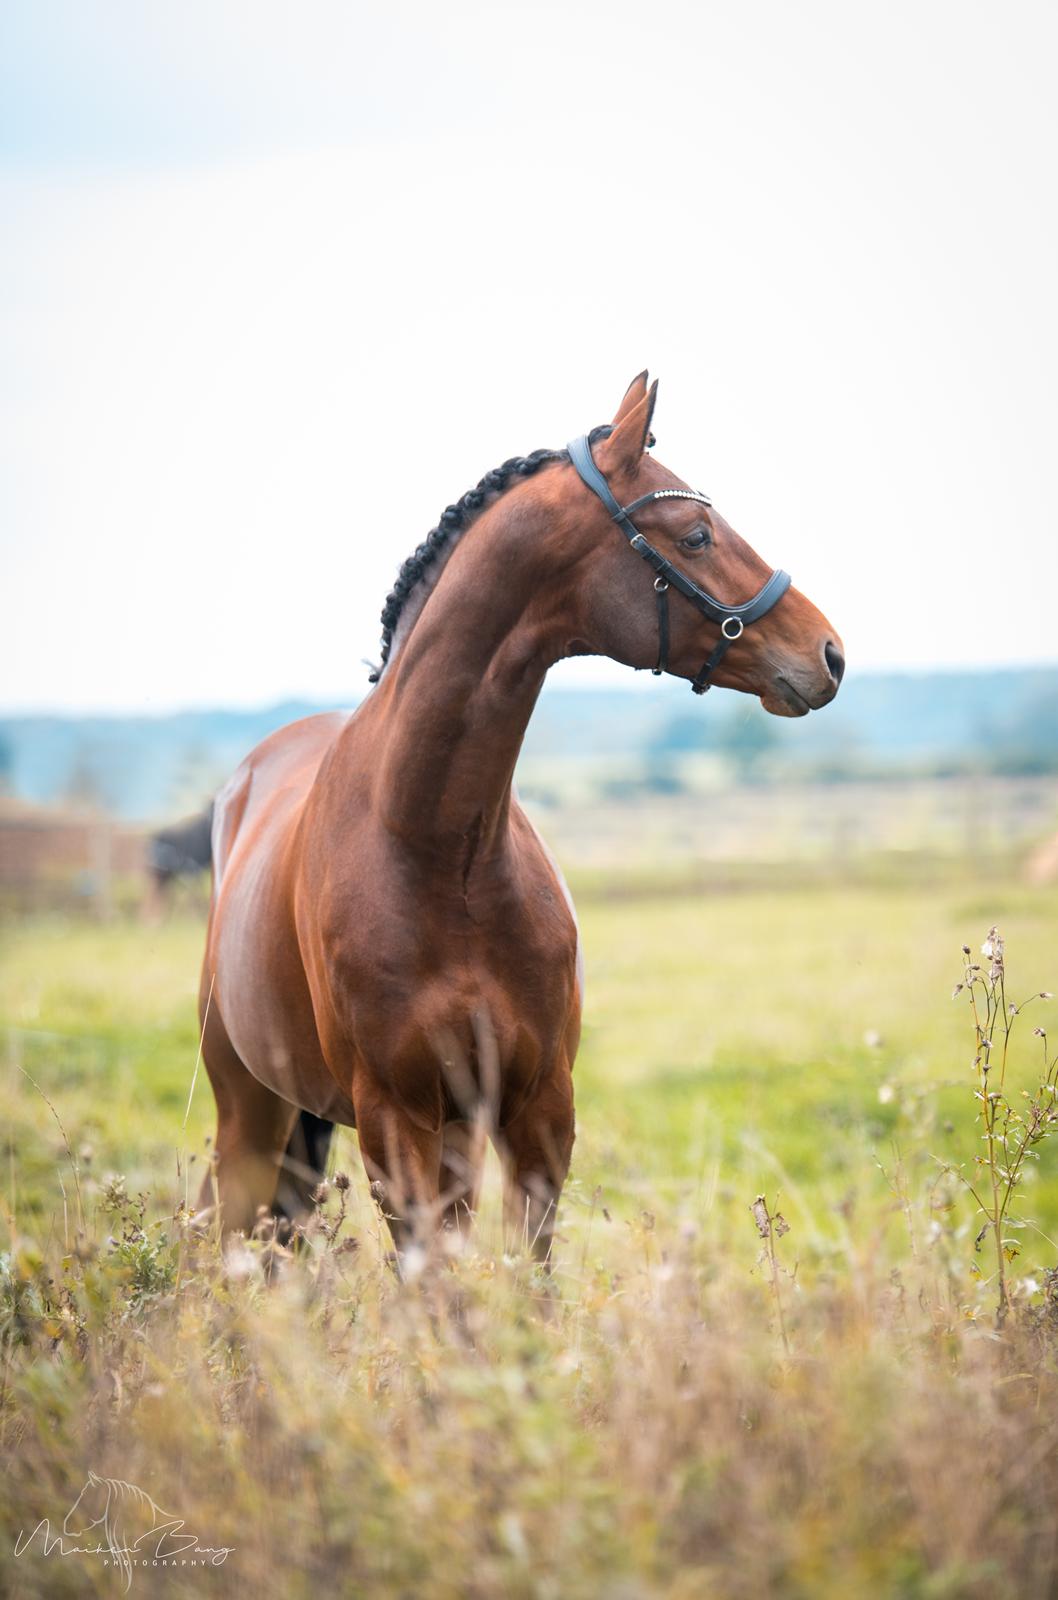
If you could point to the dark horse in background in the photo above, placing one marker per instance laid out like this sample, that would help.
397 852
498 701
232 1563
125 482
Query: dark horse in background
179 850
390 944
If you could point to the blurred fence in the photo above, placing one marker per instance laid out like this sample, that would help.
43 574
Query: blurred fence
51 860
61 861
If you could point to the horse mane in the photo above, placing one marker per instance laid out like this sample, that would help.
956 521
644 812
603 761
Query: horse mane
130 1491
452 524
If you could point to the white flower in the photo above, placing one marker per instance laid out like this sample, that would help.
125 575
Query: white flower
992 949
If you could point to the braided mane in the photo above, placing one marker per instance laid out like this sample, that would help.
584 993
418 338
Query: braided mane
454 521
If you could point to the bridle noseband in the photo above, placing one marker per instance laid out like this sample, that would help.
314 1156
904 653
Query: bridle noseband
732 619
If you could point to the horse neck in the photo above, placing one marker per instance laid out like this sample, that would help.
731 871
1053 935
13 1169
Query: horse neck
454 704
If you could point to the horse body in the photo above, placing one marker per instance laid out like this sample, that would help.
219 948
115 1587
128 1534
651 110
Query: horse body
253 946
398 986
391 946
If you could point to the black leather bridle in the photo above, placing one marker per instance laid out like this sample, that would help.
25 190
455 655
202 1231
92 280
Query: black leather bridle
732 619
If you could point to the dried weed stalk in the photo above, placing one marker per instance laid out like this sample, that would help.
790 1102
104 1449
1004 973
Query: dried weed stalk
771 1227
1012 1127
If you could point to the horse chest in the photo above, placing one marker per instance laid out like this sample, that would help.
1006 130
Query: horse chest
426 975
509 960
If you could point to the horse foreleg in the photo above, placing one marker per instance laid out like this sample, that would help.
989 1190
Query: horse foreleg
535 1149
403 1162
462 1159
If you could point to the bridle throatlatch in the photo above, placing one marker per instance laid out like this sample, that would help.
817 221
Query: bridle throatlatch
733 620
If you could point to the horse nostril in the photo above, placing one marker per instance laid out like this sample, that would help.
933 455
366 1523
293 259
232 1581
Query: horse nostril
835 660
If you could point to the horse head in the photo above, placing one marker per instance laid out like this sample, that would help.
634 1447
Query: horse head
781 649
89 1509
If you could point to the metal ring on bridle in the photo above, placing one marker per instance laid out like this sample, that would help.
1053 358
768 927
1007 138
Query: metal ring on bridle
660 585
732 628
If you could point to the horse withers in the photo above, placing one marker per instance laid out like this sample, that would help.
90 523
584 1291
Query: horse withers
390 944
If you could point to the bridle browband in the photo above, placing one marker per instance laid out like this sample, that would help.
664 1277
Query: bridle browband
732 619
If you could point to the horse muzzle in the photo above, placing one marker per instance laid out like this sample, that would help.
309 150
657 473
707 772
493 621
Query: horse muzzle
796 690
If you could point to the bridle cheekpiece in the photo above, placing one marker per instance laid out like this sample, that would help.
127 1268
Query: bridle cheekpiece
733 620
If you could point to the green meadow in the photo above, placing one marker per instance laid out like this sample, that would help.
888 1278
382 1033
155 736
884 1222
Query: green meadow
737 1038
688 1407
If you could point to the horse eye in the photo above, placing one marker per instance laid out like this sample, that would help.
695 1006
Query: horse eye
696 540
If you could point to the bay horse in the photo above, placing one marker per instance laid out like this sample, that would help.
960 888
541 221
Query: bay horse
390 944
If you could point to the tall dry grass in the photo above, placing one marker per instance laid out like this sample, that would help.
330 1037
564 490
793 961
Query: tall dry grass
700 1402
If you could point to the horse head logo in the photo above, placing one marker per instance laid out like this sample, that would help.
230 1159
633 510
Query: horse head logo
120 1515
89 1509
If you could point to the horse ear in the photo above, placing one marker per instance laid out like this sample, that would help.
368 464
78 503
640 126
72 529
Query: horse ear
624 448
633 394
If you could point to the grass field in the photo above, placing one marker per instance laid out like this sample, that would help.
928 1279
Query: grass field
639 1427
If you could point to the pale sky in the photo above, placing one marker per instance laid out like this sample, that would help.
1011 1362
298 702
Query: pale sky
278 282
